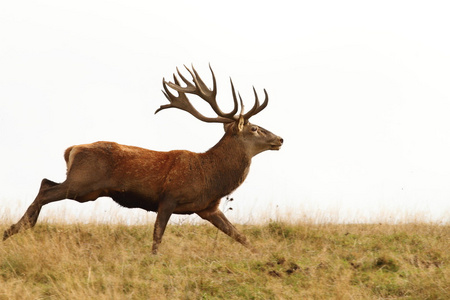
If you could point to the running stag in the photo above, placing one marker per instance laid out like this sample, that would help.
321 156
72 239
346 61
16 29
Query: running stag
173 182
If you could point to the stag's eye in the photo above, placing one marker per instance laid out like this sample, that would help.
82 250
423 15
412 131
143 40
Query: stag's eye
254 128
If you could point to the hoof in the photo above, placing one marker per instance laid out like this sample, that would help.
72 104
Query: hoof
6 234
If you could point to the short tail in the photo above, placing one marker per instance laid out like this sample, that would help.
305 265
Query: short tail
67 157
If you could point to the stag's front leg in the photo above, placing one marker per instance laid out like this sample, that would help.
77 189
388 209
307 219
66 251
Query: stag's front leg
165 210
218 219
30 217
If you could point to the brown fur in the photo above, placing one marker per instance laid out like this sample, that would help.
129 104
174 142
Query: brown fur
179 181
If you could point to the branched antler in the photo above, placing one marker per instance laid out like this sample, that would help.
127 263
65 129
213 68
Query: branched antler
199 88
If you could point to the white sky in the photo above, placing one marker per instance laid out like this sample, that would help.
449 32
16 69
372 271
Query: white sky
359 90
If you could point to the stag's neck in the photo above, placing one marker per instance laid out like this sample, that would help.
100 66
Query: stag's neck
226 165
231 152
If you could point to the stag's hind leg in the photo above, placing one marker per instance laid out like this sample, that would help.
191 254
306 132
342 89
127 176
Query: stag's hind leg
48 192
218 219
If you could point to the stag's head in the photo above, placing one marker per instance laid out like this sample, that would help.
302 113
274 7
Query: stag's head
254 138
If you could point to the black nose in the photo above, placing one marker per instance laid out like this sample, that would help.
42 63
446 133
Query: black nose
281 140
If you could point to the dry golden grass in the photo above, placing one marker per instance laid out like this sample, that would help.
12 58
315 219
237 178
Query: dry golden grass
295 261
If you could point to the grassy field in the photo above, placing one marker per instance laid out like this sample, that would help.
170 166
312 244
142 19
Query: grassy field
295 261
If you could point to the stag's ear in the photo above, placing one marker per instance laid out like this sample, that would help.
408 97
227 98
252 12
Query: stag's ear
226 126
233 127
241 123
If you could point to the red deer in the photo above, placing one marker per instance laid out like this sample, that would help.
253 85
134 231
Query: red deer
173 182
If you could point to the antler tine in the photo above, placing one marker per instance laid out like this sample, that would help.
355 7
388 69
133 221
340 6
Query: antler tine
176 81
242 105
266 101
256 107
235 109
190 88
203 89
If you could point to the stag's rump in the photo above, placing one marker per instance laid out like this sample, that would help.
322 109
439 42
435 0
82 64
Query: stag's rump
111 169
